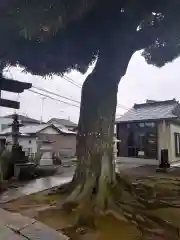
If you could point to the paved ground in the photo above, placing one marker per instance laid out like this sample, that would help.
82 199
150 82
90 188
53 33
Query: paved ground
41 184
64 175
14 226
38 185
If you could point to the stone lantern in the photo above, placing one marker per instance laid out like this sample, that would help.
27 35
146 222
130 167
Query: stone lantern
46 150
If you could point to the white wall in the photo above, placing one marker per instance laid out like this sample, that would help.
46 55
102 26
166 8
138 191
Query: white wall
174 129
164 140
28 144
5 121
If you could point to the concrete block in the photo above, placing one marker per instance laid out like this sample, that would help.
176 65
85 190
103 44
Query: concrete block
14 221
7 234
40 231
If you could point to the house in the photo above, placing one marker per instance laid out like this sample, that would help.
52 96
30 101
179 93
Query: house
8 119
63 141
63 122
147 129
5 122
24 120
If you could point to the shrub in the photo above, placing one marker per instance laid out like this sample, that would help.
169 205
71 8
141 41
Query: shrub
6 165
36 158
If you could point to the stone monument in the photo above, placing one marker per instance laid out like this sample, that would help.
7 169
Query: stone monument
20 164
47 153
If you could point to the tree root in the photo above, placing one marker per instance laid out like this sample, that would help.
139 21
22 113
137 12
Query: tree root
126 201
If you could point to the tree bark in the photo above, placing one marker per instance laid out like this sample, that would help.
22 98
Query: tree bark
95 185
95 170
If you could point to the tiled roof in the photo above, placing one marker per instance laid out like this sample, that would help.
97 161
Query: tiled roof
151 110
23 118
28 129
63 122
33 129
64 129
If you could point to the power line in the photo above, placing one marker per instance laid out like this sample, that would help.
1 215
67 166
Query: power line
70 80
55 99
58 95
70 99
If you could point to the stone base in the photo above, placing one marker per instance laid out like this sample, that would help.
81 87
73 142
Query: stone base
163 170
24 170
46 159
46 162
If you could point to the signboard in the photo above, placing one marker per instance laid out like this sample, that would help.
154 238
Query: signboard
10 85
13 85
9 103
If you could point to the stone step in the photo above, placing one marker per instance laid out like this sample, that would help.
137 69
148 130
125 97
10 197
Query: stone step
26 227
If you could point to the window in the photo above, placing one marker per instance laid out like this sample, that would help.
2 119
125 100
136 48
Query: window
177 144
30 141
128 125
4 126
150 124
141 125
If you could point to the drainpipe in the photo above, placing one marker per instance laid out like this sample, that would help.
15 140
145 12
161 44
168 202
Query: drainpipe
42 109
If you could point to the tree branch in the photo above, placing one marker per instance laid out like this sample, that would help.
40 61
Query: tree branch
146 37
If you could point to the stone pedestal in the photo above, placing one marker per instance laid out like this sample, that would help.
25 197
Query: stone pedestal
164 159
46 159
46 150
24 170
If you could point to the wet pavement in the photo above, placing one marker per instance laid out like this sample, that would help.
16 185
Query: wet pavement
37 185
41 184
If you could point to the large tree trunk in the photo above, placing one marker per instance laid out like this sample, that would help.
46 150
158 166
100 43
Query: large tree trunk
95 185
95 170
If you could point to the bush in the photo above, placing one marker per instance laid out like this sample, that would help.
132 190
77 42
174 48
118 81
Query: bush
45 171
56 160
6 165
36 158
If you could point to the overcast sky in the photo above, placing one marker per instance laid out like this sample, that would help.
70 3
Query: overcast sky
141 82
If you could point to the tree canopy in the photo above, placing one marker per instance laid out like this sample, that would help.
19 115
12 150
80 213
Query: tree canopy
54 36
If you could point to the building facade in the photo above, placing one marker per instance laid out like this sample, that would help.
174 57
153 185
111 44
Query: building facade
62 140
147 129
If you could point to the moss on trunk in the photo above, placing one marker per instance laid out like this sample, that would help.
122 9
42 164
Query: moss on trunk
95 187
95 172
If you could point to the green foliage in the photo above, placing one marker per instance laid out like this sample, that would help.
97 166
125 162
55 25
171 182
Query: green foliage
55 36
36 158
48 16
5 164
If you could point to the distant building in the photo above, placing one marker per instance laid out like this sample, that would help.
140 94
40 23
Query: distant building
148 128
63 122
63 141
24 119
5 122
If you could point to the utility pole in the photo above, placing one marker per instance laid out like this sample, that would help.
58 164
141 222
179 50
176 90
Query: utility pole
42 109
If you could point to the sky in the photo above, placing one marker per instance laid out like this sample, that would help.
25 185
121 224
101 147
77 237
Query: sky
141 82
